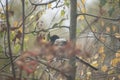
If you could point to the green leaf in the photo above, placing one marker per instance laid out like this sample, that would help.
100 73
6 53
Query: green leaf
62 12
111 10
103 2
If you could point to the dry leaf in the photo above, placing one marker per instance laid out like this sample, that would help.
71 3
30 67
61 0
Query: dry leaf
104 68
101 50
94 63
96 56
102 23
118 53
117 35
107 29
49 5
83 1
81 17
114 28
83 10
102 39
115 61
15 23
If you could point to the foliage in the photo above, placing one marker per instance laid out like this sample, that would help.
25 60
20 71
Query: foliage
98 33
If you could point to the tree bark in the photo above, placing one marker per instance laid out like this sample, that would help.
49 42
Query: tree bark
73 16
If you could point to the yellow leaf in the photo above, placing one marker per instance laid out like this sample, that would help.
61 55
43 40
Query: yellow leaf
78 4
101 49
49 5
15 23
17 40
83 1
20 29
102 57
96 56
102 39
88 73
119 76
93 28
81 17
117 35
107 29
117 54
13 32
115 61
102 23
31 17
104 68
83 10
94 63
26 38
114 28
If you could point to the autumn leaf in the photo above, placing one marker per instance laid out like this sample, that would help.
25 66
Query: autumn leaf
15 23
94 63
96 56
114 28
78 4
117 35
20 29
104 68
102 23
119 76
83 1
102 39
115 61
89 73
101 49
81 17
102 57
49 5
117 54
83 10
107 29
31 17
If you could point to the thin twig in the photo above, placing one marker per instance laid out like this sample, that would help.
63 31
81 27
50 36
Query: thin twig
45 30
91 15
23 31
38 4
9 43
51 67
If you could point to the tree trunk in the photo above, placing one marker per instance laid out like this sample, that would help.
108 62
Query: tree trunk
73 15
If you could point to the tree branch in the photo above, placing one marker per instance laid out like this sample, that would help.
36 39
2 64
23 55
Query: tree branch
51 67
96 36
111 19
9 43
86 63
38 4
45 30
